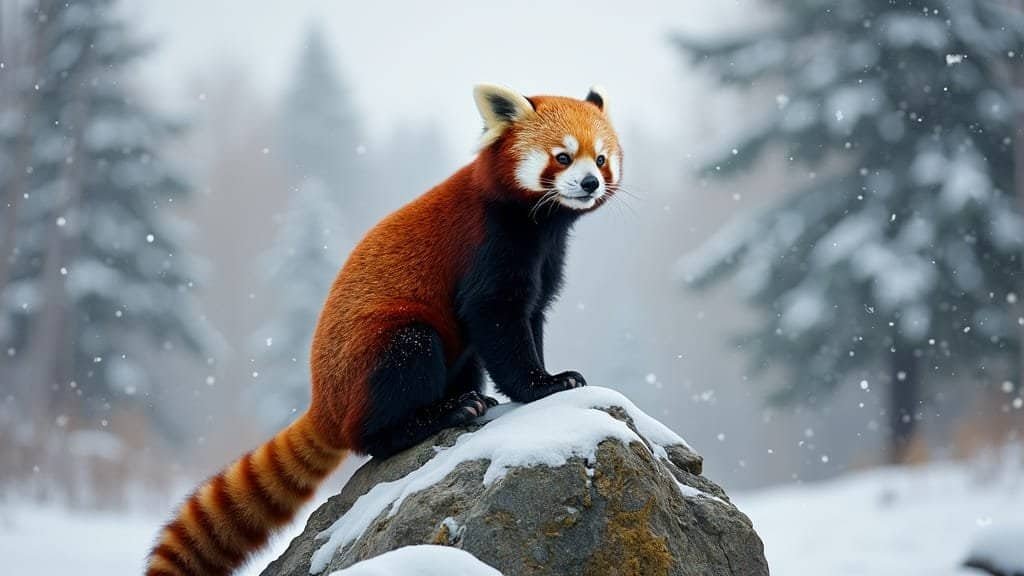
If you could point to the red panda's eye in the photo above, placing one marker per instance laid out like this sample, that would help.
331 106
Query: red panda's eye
563 159
600 160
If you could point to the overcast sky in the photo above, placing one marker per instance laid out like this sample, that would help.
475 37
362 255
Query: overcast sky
418 60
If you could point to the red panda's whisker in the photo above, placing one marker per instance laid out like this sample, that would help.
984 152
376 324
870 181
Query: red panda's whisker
616 189
547 196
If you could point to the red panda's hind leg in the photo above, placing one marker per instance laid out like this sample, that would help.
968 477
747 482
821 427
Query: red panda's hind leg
412 395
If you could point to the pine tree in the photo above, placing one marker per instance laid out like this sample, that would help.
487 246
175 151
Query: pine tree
98 281
301 265
321 136
320 142
898 260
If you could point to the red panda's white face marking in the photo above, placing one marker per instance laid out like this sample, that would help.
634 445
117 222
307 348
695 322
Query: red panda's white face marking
564 150
530 168
581 183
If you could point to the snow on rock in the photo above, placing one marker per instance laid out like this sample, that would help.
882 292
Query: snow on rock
582 481
999 550
422 560
690 492
547 432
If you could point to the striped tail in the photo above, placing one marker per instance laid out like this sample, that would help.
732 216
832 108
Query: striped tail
235 512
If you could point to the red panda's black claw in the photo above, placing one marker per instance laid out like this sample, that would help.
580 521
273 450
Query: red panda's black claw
469 406
549 385
569 380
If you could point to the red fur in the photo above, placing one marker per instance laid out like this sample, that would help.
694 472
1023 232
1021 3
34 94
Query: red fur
405 270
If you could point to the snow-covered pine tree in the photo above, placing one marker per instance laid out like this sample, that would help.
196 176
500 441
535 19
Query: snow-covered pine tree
320 142
301 265
321 135
898 259
98 281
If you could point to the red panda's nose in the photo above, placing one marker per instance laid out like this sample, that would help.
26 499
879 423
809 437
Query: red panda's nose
590 183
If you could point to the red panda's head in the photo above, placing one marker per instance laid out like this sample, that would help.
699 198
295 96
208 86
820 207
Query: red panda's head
550 148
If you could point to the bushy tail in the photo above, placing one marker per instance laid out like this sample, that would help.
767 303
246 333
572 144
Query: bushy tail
235 512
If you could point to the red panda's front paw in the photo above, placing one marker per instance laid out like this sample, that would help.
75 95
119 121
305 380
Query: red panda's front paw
548 385
569 379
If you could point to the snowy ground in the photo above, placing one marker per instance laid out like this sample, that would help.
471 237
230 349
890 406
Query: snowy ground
50 540
878 523
884 522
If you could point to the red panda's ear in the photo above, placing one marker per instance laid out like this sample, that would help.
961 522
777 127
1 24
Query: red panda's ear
500 107
598 97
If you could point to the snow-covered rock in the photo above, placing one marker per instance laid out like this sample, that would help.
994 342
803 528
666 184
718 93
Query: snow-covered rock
581 482
999 550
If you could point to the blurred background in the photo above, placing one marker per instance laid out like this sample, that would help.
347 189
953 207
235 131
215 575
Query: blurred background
815 276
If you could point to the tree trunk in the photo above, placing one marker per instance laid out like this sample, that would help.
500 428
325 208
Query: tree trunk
51 349
1017 74
29 61
904 392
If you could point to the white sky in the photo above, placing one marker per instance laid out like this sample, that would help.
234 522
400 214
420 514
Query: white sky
417 60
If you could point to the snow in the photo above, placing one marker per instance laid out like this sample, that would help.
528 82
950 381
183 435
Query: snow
455 531
690 492
899 277
724 246
50 540
849 104
928 167
547 432
846 237
91 277
802 309
888 522
423 560
966 180
760 56
904 31
1001 548
798 116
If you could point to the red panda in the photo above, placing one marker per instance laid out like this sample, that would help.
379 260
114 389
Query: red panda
454 283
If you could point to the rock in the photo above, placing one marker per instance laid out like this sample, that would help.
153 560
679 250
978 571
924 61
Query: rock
998 550
581 482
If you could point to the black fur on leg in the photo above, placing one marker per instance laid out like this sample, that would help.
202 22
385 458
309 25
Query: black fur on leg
466 374
502 298
413 395
409 376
